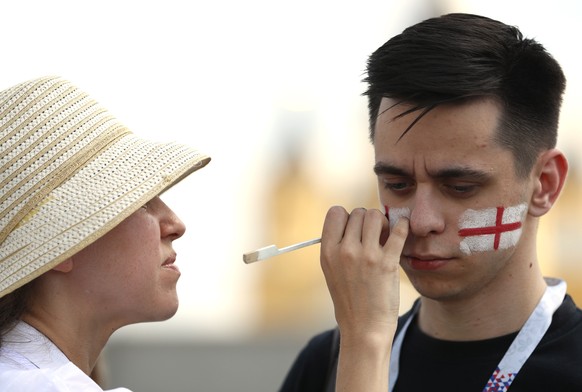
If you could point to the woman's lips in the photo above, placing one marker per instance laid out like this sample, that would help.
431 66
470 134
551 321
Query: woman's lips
169 264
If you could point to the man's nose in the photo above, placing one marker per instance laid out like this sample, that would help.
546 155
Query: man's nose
426 216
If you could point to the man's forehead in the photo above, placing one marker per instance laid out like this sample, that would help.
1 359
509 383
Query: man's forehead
393 107
389 103
451 124
450 170
390 107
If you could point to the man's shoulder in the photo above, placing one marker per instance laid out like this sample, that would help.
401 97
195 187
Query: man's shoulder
555 364
310 371
567 318
323 341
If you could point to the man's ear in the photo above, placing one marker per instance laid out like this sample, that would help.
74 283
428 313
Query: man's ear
549 177
65 266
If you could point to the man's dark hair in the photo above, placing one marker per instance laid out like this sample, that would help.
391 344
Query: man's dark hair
457 57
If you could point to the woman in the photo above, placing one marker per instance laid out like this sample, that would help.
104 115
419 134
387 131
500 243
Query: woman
86 243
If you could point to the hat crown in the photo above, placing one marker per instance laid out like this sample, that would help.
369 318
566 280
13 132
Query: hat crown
48 128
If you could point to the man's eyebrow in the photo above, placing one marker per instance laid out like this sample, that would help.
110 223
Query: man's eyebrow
385 168
461 172
446 173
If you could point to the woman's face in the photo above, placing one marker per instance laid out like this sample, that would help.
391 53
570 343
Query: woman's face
128 275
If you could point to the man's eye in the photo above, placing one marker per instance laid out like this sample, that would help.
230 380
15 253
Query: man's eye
461 189
396 186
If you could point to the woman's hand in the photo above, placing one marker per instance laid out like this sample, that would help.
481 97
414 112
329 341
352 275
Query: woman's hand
360 260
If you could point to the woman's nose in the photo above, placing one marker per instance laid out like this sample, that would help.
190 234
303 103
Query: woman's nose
171 226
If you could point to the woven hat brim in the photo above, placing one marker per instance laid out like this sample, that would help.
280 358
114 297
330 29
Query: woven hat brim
101 194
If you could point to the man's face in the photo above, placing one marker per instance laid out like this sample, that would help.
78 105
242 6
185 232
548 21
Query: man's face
447 171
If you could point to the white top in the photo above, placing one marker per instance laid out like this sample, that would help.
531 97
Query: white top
30 362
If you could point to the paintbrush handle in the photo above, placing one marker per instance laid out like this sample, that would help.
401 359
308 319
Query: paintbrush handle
271 250
299 245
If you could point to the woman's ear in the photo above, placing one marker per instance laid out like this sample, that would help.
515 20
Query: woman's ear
65 266
549 178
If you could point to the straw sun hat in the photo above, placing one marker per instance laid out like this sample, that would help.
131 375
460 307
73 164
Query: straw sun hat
69 173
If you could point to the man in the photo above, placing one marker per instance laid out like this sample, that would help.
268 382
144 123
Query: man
463 118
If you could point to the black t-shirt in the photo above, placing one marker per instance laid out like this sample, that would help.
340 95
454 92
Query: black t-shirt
428 364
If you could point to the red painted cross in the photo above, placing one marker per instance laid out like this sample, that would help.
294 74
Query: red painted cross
499 228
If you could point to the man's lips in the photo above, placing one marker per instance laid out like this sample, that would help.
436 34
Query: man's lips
426 262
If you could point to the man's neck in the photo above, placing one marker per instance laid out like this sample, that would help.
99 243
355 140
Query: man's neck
495 312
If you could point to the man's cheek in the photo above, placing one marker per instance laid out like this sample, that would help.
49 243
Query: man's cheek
395 213
491 229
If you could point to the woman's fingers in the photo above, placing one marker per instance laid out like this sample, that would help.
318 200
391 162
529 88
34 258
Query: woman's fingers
362 272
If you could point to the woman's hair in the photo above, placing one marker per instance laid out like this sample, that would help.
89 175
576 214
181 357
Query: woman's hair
457 57
12 306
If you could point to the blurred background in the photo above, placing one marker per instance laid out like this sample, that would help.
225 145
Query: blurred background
272 91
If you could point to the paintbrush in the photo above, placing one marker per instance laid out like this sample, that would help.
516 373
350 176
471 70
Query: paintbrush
272 250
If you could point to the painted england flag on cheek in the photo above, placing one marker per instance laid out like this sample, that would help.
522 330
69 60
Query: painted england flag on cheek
491 229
